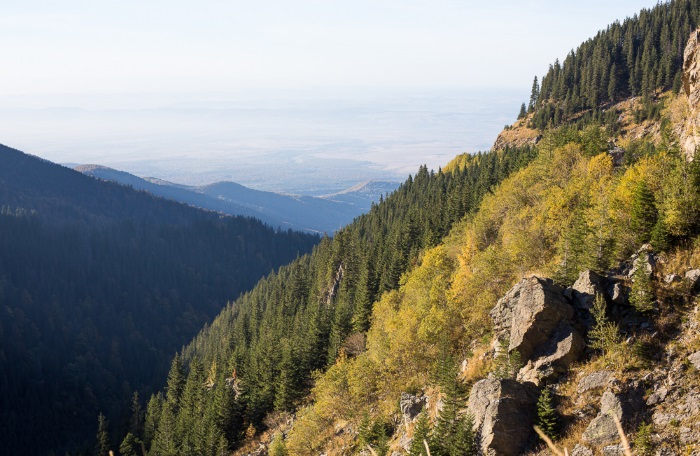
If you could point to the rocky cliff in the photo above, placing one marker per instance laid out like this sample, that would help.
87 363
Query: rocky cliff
690 128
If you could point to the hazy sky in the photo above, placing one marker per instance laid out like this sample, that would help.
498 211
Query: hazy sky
95 46
303 96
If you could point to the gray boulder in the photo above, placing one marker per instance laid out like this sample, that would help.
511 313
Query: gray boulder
585 288
411 406
627 407
580 450
695 359
602 430
504 414
529 313
693 278
554 357
599 379
618 293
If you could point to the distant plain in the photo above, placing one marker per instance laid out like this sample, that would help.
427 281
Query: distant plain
300 142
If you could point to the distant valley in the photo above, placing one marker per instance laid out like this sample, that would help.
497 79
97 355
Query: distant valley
324 214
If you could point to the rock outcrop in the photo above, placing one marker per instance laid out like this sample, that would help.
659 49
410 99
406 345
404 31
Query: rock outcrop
504 413
602 429
411 406
690 130
535 317
625 405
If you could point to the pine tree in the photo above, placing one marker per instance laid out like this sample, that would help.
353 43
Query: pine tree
523 111
277 446
464 442
534 95
643 212
507 363
103 445
130 446
421 431
546 414
176 382
605 335
153 413
137 417
642 292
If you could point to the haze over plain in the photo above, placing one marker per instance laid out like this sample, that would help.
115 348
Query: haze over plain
304 97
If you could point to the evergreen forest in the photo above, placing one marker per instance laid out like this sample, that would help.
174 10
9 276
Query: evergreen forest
99 286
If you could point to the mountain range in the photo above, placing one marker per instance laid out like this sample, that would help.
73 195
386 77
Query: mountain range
324 214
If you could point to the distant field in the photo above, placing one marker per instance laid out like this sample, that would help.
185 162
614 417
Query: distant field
296 142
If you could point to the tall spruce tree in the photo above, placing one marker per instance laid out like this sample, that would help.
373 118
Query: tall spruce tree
643 213
103 441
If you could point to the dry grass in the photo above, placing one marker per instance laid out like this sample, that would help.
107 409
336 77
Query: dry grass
478 366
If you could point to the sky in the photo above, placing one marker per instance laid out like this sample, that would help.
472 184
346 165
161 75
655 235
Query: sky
104 57
183 46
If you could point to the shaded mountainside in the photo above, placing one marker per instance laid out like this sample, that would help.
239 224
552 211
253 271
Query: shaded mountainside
554 285
305 213
99 286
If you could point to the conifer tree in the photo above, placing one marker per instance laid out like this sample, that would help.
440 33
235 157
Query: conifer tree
534 95
153 413
547 414
464 442
103 442
137 416
421 432
523 111
605 334
507 363
176 382
642 292
643 212
130 446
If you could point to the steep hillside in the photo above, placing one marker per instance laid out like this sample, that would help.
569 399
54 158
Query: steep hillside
99 286
512 297
259 355
577 256
303 213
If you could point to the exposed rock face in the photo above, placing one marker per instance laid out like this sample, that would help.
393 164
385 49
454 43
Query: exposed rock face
693 278
625 406
602 429
595 380
411 406
535 317
695 359
503 412
529 313
586 287
690 131
580 450
555 356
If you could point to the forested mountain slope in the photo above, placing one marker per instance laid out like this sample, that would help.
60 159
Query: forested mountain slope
638 57
266 344
397 311
99 286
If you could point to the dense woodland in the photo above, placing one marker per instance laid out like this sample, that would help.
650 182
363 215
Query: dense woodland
259 355
638 57
99 286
